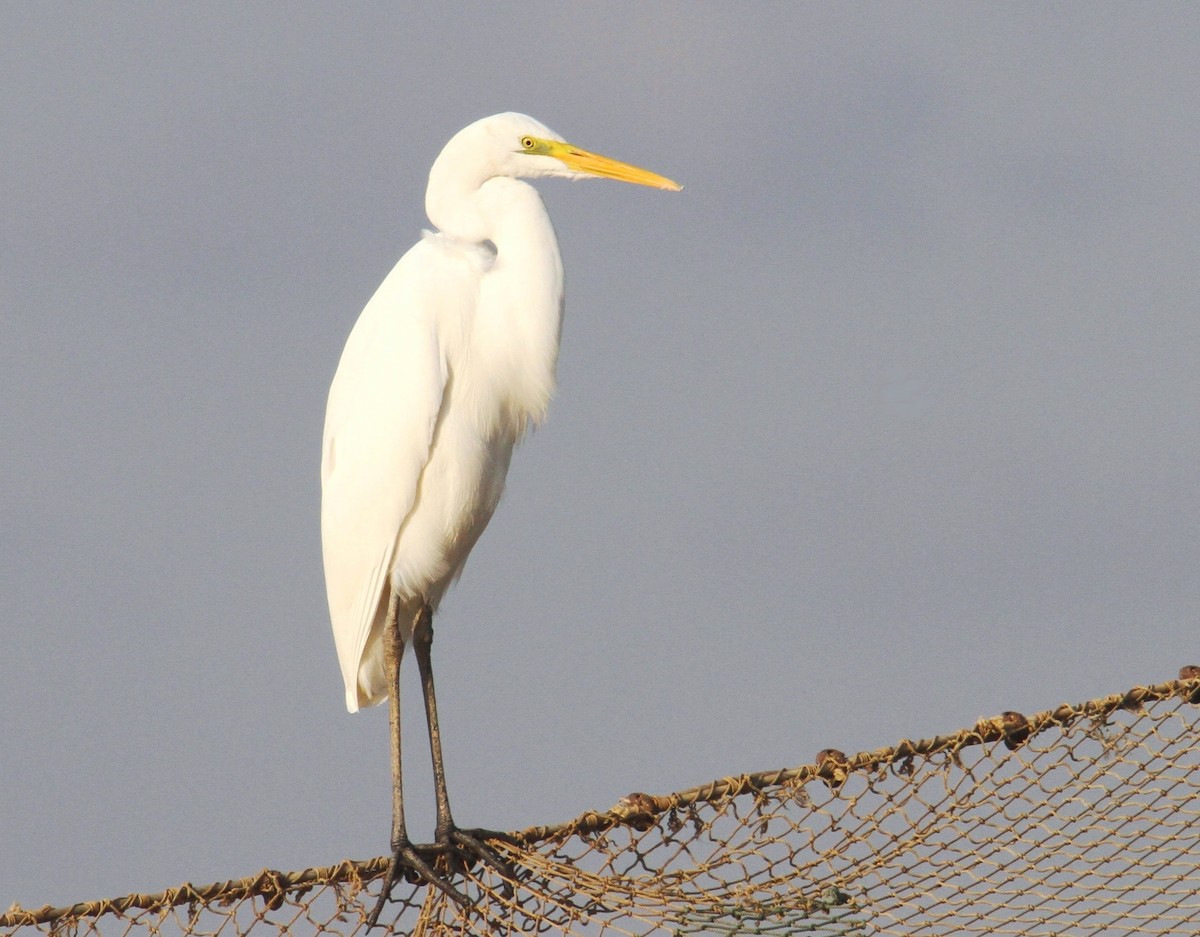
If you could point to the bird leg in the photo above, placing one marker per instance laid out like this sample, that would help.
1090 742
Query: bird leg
404 855
460 845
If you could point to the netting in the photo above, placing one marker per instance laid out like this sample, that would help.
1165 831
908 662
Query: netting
1084 819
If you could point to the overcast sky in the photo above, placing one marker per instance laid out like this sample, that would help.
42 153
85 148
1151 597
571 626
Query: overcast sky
888 421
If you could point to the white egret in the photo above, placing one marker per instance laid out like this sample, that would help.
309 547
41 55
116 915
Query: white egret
450 362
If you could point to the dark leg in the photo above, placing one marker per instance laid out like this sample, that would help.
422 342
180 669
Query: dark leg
453 840
404 856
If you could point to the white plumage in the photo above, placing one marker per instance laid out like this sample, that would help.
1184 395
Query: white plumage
450 361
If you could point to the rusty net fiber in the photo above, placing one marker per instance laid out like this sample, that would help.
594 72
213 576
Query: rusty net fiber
1080 820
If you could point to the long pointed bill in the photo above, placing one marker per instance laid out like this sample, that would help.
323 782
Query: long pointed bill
597 165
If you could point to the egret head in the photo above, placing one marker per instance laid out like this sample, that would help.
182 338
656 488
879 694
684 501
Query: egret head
518 146
514 146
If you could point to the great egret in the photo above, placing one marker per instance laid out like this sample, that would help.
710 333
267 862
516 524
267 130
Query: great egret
449 363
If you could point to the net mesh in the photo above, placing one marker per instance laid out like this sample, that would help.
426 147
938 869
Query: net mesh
1083 819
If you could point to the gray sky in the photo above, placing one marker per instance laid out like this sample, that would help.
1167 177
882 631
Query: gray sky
887 422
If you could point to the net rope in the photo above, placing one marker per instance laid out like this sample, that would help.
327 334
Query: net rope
1084 819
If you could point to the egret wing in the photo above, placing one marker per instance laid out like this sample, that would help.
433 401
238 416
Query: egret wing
379 426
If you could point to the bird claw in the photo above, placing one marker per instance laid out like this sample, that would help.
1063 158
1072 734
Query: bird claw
465 845
408 863
456 850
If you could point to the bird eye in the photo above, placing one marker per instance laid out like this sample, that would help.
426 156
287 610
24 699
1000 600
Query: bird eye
527 142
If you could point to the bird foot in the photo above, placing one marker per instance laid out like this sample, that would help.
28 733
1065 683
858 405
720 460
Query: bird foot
414 864
455 851
465 847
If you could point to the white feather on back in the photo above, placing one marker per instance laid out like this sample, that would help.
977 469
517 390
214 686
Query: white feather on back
379 427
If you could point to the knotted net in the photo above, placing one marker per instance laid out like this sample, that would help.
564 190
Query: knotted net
1083 819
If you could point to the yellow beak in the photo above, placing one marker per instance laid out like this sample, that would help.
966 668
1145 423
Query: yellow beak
597 165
